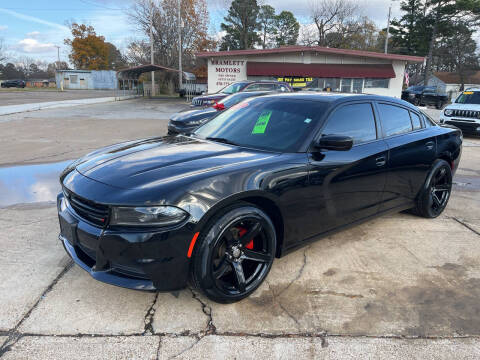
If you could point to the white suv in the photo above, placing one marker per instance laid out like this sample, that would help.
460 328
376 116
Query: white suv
464 113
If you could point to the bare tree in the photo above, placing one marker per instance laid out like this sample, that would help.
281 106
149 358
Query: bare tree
3 55
332 16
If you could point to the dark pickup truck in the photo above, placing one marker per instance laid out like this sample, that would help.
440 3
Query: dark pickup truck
425 95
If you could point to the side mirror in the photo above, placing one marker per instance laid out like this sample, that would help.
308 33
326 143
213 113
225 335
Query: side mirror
334 142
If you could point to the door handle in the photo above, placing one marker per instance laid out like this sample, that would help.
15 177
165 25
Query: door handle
381 161
430 145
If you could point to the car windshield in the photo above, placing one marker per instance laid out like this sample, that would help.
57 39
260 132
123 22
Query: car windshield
274 124
231 100
469 97
233 88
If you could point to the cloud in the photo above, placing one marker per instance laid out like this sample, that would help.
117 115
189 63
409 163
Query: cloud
33 19
33 34
3 27
29 45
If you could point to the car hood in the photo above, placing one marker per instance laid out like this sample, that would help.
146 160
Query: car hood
158 161
455 106
191 115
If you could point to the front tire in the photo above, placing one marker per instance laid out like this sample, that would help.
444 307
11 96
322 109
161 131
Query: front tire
435 195
234 254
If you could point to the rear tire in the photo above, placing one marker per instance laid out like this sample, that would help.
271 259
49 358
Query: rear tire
435 194
234 253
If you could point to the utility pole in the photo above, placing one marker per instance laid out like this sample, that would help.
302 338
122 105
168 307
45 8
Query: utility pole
180 26
151 47
388 28
58 55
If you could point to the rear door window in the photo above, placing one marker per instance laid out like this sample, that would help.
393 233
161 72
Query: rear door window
354 120
395 120
416 122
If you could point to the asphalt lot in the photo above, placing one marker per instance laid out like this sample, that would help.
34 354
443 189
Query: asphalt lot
27 96
397 287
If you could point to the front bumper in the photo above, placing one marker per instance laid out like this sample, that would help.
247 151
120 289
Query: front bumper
136 259
467 126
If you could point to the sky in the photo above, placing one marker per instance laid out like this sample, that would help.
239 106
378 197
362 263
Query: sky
33 28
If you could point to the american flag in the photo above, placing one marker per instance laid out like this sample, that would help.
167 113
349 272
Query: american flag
407 78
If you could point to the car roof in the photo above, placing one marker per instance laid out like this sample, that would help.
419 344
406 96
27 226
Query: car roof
335 97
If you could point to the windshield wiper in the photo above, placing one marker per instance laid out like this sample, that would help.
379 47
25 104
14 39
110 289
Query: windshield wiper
221 140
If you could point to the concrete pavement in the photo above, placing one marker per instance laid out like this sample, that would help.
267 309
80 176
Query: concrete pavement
396 287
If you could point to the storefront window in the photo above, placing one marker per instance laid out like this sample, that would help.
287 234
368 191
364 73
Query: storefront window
376 83
346 85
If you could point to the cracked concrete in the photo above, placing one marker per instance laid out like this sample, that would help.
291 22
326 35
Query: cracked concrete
396 287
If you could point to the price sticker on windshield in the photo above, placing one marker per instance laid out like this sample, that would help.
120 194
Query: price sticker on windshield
262 123
467 92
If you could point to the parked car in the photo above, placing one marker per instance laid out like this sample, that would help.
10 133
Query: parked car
254 183
425 95
13 83
192 89
185 122
247 85
464 113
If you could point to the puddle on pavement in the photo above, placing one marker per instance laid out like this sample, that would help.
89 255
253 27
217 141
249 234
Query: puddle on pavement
26 184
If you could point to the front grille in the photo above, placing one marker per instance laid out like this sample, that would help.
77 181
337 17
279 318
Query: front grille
197 102
466 113
88 210
177 123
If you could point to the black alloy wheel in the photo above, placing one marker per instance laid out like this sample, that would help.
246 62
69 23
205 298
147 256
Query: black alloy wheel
235 255
436 194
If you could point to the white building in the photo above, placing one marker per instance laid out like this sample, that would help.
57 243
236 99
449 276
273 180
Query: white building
311 68
451 84
86 79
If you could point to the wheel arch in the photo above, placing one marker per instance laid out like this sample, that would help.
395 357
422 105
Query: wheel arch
262 200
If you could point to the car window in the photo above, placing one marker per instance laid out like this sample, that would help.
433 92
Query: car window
395 120
416 122
427 120
255 87
276 124
233 99
469 97
233 88
355 120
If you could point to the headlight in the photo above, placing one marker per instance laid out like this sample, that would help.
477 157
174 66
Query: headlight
64 204
147 216
448 112
209 102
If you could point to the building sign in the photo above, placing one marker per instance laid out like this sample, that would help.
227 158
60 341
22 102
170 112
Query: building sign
295 81
222 72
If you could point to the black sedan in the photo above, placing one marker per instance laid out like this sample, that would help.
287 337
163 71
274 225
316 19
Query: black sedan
252 184
185 122
13 83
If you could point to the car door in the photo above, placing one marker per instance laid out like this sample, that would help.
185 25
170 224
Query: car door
347 186
411 152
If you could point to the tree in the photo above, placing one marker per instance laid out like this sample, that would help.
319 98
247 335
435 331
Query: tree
410 34
88 50
457 52
286 29
3 55
331 16
241 25
10 71
194 15
444 11
266 19
115 59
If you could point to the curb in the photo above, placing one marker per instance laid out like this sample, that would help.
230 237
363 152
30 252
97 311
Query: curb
13 109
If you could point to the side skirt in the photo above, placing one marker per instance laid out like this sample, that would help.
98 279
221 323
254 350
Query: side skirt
311 239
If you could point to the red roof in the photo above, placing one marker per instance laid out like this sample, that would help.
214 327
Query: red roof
318 49
381 71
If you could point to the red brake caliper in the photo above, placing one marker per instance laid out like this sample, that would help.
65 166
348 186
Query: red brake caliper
242 231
